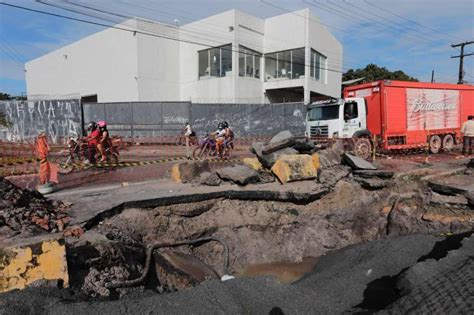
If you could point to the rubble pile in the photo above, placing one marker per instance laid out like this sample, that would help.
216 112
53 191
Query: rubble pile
22 209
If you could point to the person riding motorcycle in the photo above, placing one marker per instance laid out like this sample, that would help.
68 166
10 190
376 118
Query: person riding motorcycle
105 140
94 142
220 138
229 136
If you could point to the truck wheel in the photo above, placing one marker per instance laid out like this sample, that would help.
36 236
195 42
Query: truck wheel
435 144
363 148
448 143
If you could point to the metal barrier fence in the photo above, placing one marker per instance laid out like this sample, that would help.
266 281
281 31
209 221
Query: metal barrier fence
160 119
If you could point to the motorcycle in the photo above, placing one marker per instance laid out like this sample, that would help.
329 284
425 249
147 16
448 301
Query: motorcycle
78 151
207 147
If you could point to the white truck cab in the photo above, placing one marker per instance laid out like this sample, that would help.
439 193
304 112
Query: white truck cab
337 118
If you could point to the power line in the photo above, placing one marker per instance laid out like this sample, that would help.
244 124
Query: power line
408 20
369 15
206 23
146 33
150 22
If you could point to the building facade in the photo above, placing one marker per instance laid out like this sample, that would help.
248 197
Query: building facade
231 57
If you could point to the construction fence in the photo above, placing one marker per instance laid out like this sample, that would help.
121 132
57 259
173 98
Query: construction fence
62 118
163 119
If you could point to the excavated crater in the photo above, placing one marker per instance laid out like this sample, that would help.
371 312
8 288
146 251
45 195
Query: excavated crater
178 246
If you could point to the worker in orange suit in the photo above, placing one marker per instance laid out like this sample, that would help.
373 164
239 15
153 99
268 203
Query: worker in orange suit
42 148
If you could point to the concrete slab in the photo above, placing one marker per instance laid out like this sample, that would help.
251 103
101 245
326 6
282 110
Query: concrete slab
457 184
91 205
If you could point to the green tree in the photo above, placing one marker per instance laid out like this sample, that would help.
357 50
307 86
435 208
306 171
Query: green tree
373 73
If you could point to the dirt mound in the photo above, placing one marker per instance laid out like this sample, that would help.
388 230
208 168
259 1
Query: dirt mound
22 209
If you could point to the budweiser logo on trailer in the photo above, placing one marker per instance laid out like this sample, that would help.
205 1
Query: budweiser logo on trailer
432 109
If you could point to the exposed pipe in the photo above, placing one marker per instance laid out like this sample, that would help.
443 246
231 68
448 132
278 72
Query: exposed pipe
149 254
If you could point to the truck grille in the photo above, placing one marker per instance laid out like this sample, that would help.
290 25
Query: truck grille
319 131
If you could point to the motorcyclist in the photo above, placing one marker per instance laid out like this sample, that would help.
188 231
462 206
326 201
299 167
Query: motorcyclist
94 141
220 138
105 140
229 135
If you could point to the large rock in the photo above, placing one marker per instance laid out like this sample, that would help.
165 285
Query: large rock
239 174
373 183
304 145
24 265
253 163
470 164
187 171
257 148
289 168
329 157
282 136
269 159
374 173
329 177
275 146
470 199
357 163
316 161
209 179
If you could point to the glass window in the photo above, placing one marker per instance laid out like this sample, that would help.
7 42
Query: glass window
242 62
215 62
258 59
204 69
318 66
323 113
215 55
298 62
271 66
350 110
289 64
249 63
226 54
284 64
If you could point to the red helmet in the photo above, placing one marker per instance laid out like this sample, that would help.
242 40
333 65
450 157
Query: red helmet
102 124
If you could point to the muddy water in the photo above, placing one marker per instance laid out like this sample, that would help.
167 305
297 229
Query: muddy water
285 272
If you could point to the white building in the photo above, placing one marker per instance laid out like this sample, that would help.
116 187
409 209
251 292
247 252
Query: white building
230 57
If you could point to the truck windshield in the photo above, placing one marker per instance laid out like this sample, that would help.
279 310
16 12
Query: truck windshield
323 113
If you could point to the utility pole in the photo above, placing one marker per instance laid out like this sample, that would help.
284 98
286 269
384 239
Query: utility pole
432 76
461 59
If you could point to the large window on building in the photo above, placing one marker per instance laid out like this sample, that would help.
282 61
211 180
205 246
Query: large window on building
249 63
215 62
318 66
288 64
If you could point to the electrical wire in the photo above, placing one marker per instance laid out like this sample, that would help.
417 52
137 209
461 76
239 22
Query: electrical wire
409 20
150 22
144 33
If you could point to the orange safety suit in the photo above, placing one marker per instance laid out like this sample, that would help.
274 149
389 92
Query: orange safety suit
43 150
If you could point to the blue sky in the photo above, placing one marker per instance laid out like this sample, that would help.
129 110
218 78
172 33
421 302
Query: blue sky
409 35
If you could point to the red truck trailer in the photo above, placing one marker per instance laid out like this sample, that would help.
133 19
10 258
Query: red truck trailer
402 115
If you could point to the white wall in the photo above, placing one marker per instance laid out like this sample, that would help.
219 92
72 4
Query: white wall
158 62
324 42
104 63
211 32
120 66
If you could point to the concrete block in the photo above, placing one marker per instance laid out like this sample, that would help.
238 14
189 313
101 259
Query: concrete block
187 171
289 168
253 163
357 163
24 265
316 161
239 174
